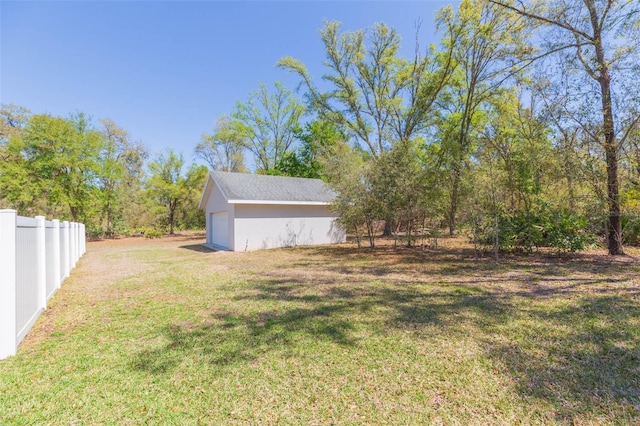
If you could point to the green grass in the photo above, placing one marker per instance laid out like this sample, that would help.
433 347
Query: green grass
159 332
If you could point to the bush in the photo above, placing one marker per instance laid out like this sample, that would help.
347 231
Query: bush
95 233
567 232
524 232
631 229
152 233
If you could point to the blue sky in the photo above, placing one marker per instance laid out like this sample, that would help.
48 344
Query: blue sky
164 71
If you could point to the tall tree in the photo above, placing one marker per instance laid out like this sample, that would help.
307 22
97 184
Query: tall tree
13 118
167 184
190 216
224 149
318 138
581 179
267 122
121 163
376 96
55 163
599 39
520 144
487 39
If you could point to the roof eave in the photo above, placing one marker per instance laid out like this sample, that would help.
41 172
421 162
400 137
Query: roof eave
205 193
276 202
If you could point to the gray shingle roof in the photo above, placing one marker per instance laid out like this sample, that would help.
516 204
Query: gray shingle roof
249 187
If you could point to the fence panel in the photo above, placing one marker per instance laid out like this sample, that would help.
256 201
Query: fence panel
52 272
36 255
27 292
83 239
73 242
64 250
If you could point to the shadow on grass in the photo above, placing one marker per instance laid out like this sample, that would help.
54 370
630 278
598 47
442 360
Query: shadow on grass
199 248
230 338
335 316
586 365
191 235
535 275
564 332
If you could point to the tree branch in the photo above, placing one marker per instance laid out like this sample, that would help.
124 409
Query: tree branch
544 19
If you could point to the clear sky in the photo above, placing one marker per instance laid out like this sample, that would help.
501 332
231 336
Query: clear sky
164 71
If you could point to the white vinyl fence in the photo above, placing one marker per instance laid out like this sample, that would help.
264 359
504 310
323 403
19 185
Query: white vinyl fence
36 255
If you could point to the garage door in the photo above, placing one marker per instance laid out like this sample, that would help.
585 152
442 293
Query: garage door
220 229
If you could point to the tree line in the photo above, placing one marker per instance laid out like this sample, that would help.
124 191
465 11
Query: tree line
74 169
519 128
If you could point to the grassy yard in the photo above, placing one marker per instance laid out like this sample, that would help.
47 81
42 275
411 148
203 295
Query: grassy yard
163 332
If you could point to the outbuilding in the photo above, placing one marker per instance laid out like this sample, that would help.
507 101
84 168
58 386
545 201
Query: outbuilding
247 212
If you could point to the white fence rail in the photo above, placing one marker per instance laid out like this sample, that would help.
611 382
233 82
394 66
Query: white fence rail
36 255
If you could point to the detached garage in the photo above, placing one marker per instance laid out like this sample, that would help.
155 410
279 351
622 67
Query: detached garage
252 212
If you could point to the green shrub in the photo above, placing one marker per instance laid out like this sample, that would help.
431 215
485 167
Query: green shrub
95 233
524 232
568 232
631 229
152 233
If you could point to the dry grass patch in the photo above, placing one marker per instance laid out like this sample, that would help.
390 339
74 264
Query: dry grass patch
162 332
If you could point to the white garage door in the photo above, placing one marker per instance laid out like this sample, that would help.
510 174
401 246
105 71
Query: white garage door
220 224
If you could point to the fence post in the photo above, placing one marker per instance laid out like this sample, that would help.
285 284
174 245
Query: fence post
77 229
8 326
41 261
66 252
56 252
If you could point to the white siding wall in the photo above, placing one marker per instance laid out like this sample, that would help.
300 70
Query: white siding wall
269 226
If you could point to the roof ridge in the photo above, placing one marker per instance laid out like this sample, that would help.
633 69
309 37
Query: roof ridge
257 187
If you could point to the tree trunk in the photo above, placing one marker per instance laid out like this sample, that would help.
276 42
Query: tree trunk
614 237
108 232
387 229
74 213
172 215
455 194
370 233
572 196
